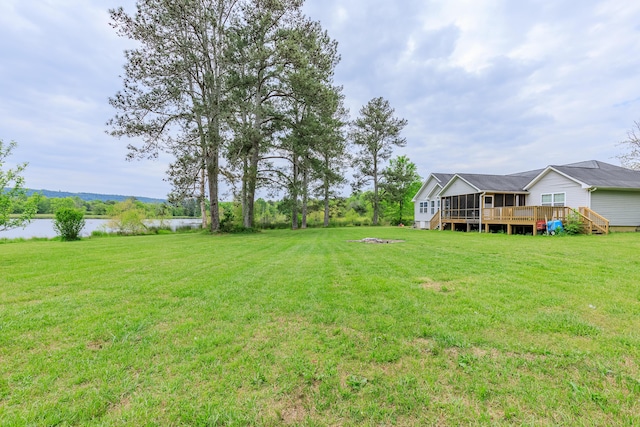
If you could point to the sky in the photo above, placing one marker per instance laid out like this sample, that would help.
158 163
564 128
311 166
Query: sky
487 86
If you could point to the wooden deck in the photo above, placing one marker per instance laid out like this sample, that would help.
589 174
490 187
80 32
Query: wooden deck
523 216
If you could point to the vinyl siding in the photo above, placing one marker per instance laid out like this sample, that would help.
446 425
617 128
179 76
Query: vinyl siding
621 208
553 182
423 219
458 187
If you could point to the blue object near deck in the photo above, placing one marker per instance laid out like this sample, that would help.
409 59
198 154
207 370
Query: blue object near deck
554 226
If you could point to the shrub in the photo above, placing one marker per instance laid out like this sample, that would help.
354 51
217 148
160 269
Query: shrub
227 220
185 228
68 223
573 224
128 218
159 229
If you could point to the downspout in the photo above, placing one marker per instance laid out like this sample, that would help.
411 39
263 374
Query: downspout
480 210
591 190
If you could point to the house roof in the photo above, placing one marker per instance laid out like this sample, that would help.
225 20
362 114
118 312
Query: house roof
590 174
497 183
529 174
601 175
442 178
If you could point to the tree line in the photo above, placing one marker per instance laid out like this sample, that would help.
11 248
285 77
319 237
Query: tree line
242 92
18 206
354 210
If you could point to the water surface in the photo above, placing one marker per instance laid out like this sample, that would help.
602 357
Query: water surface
44 227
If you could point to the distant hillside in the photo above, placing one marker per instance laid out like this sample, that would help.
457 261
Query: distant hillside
92 196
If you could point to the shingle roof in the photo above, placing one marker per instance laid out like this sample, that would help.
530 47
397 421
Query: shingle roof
528 174
602 175
444 178
510 183
592 173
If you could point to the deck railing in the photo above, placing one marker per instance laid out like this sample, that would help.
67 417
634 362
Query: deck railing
525 214
598 222
530 214
435 221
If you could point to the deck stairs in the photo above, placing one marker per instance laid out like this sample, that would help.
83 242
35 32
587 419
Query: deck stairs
434 224
593 222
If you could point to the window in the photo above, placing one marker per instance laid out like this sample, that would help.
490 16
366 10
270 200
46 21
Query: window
488 202
553 199
424 207
558 199
433 207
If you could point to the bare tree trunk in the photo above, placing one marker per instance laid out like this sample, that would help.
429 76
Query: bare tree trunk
213 170
294 196
203 205
375 192
305 197
252 179
326 209
252 172
244 191
294 215
325 185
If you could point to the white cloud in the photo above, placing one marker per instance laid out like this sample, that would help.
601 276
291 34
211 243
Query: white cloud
12 20
487 86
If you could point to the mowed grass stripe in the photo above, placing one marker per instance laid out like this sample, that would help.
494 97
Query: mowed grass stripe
306 328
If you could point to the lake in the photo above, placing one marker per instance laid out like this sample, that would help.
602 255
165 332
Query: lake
44 227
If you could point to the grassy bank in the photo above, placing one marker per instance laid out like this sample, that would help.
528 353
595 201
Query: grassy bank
306 328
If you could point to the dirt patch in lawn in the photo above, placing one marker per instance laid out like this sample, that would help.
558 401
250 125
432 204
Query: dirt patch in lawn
427 283
375 240
293 409
96 345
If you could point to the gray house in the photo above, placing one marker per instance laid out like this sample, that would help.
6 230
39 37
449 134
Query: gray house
602 194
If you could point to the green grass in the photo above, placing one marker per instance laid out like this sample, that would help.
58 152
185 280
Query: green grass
305 328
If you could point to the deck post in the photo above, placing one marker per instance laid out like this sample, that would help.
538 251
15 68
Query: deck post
480 213
508 228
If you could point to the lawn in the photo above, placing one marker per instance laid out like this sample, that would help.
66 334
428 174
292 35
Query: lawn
307 328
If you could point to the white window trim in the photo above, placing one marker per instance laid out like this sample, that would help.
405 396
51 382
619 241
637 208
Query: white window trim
553 197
